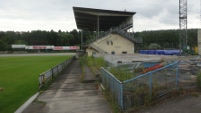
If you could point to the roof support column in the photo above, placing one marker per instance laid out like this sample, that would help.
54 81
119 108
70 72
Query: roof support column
133 31
81 38
98 27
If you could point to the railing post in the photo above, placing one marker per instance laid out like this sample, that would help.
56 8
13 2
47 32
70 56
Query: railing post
121 96
66 63
52 72
40 81
150 84
177 73
57 69
113 85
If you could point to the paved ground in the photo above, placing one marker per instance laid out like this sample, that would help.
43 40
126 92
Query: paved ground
89 77
183 104
68 95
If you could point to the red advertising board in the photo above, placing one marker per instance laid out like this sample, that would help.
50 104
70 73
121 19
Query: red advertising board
39 47
74 47
58 48
50 47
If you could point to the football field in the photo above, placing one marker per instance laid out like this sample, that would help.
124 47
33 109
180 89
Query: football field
19 78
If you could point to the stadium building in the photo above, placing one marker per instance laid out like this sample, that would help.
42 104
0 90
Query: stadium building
113 29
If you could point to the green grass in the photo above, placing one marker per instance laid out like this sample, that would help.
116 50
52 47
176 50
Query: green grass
19 78
94 63
121 74
199 80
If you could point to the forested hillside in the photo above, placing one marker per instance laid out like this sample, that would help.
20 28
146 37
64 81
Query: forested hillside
164 38
39 37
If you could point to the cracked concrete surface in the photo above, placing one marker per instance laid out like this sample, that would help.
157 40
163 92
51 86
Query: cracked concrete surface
68 95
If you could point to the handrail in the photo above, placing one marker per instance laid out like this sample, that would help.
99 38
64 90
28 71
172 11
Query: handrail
121 31
97 48
121 89
48 75
147 74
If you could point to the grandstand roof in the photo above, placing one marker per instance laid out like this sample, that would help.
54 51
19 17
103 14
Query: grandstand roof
88 18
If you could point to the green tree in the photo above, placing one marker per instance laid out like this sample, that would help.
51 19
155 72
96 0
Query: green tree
154 46
21 42
76 37
2 45
64 38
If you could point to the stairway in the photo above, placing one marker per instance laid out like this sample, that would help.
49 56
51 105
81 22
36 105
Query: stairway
128 36
97 48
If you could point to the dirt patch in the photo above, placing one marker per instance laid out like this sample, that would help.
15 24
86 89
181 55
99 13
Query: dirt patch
1 89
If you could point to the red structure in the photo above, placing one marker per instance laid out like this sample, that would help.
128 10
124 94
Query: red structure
157 66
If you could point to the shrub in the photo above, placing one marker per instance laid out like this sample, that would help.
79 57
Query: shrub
121 74
93 61
154 46
83 60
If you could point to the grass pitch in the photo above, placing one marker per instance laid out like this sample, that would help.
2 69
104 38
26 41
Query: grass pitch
19 78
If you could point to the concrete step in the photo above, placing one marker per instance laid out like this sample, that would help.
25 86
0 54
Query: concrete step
89 77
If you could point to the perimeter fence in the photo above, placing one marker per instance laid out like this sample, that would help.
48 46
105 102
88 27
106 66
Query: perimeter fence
47 76
144 88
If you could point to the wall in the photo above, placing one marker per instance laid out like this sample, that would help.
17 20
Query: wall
115 43
196 49
90 51
199 41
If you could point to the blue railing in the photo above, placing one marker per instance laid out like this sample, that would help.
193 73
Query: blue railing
137 90
113 85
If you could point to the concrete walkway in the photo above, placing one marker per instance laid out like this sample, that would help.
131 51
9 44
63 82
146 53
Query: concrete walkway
68 95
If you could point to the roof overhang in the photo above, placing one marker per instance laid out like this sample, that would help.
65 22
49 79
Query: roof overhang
91 19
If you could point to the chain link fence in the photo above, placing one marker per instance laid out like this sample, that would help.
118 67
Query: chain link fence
143 89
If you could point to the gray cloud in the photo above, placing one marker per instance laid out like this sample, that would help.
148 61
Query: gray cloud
58 14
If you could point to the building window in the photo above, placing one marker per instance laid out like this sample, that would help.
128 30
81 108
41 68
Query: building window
111 43
108 43
124 52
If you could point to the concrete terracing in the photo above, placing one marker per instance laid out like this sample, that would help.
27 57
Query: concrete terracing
129 58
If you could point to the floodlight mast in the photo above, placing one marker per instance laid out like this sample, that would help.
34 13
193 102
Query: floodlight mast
183 25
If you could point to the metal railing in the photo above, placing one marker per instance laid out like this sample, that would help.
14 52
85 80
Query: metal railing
113 85
143 88
119 30
129 36
49 75
97 48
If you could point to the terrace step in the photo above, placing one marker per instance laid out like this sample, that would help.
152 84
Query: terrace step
97 48
88 76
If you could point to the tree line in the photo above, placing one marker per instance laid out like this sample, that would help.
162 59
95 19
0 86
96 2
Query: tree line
164 38
39 37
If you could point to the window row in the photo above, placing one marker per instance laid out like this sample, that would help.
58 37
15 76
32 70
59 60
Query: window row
109 42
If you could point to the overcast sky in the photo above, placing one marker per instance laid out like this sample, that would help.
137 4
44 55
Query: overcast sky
27 15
